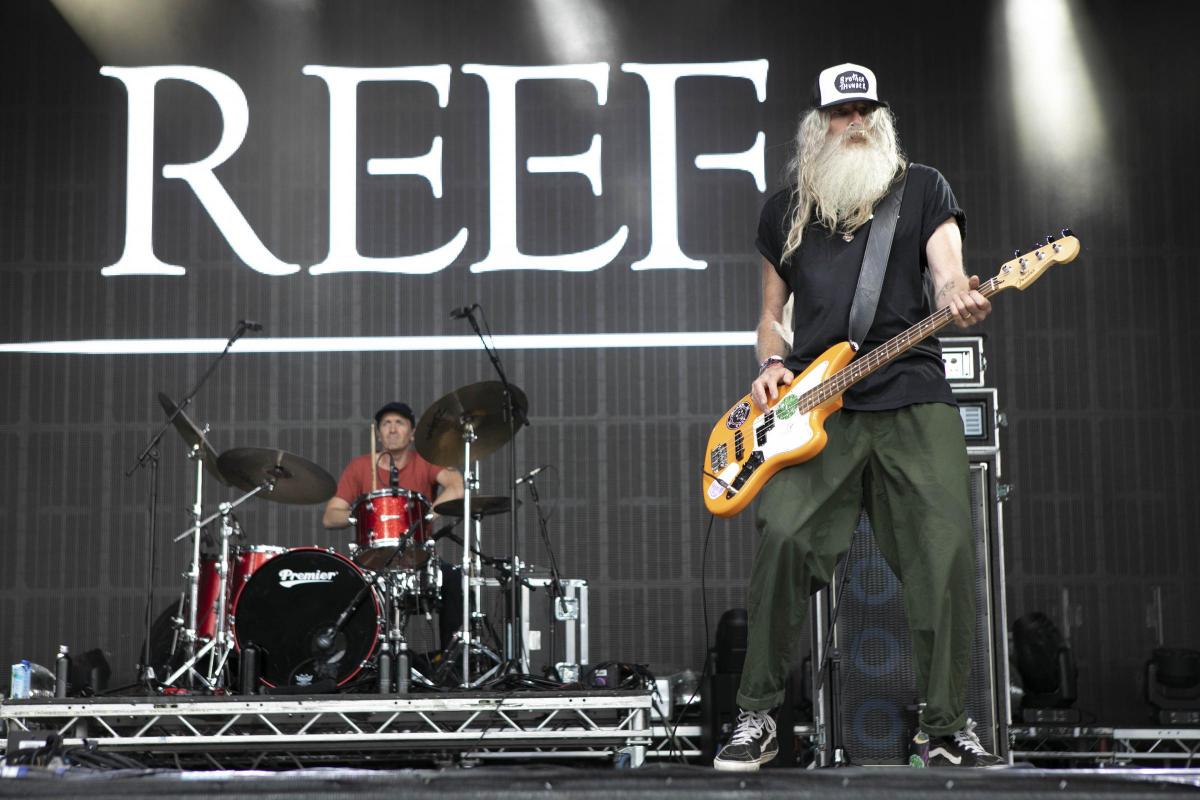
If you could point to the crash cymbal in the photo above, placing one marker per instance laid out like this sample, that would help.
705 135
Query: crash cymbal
481 506
193 436
479 406
297 480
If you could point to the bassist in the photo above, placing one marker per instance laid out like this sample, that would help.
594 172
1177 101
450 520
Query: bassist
896 447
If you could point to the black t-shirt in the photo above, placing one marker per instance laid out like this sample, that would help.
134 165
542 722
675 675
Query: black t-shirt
823 275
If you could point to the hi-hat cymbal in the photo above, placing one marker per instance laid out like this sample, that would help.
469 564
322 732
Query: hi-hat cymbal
481 506
297 481
194 437
477 407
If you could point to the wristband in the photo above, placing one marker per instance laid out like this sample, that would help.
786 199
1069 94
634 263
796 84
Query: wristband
768 361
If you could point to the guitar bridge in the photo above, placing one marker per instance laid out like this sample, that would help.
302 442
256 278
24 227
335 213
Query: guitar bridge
718 459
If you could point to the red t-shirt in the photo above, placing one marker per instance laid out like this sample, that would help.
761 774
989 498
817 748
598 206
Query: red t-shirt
417 475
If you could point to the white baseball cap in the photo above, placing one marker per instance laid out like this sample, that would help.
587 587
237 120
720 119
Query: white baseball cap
845 83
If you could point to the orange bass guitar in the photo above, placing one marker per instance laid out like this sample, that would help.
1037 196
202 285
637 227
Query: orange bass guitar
747 447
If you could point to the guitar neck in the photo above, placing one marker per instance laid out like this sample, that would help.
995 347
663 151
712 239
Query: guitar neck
887 352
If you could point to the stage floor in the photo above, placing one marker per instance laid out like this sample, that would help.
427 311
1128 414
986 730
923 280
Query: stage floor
657 781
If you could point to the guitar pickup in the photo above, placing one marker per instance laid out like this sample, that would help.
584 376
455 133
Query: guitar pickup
739 446
760 433
754 462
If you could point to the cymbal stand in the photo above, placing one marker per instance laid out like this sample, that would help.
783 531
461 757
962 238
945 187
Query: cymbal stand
222 636
516 419
193 574
469 565
222 642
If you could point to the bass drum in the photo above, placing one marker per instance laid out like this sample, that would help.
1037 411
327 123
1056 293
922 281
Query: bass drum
292 603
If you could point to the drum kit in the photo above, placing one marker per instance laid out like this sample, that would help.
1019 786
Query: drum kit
310 618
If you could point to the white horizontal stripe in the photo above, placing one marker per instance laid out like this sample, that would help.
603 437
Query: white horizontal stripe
362 344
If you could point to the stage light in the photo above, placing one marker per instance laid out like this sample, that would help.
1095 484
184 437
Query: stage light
1173 685
1047 669
1055 103
119 32
576 33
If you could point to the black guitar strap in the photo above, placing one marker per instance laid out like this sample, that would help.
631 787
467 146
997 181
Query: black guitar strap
870 276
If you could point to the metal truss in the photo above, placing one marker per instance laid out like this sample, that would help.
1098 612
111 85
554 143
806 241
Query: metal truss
342 729
1102 746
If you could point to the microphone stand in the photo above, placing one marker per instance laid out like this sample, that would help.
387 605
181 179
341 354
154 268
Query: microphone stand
149 455
556 590
516 419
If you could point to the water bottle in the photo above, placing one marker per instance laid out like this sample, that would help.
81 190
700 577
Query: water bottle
21 672
62 671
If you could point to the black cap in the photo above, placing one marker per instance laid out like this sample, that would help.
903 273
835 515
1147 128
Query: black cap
396 407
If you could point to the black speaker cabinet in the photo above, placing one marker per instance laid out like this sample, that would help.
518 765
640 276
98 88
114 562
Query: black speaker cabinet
869 706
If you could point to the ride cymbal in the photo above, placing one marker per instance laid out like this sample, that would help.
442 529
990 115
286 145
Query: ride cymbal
193 436
296 480
477 408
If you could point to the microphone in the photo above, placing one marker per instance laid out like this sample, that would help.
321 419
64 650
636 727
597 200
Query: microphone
250 325
464 311
395 473
528 476
326 637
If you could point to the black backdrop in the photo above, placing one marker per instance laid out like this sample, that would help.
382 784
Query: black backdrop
1095 365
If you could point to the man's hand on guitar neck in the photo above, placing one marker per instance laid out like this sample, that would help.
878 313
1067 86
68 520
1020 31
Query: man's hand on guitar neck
765 388
967 306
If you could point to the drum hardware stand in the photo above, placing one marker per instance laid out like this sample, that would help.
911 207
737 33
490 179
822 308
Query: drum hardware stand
471 643
515 418
150 454
222 642
394 645
469 563
193 574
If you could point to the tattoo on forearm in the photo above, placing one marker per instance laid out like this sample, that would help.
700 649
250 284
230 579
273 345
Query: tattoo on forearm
946 289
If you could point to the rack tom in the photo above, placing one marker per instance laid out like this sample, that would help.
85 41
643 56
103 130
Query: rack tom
389 519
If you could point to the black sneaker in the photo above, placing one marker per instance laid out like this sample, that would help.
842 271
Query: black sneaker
752 744
961 749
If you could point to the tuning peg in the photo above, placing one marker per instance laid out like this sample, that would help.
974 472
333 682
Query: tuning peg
1067 232
1050 238
1016 253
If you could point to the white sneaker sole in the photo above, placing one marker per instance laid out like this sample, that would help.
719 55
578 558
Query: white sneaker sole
742 766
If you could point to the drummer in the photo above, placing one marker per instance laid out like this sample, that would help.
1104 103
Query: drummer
398 464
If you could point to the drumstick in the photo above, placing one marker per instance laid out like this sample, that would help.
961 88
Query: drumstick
374 466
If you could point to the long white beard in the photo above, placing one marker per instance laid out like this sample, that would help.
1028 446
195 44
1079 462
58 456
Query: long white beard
848 177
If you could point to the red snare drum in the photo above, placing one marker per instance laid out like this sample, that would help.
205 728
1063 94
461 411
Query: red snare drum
387 519
243 563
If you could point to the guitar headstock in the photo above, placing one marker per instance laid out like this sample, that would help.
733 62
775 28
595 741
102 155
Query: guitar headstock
1026 268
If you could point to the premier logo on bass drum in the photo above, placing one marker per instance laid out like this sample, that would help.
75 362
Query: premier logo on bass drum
289 578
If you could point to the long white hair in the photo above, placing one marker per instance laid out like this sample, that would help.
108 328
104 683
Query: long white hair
839 185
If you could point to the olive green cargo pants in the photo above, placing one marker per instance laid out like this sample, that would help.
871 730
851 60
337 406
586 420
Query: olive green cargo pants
908 467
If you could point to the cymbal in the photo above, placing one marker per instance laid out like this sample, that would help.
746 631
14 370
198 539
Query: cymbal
297 480
193 436
481 506
479 406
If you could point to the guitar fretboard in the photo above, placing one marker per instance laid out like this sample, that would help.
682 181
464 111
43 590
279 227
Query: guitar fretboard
856 370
